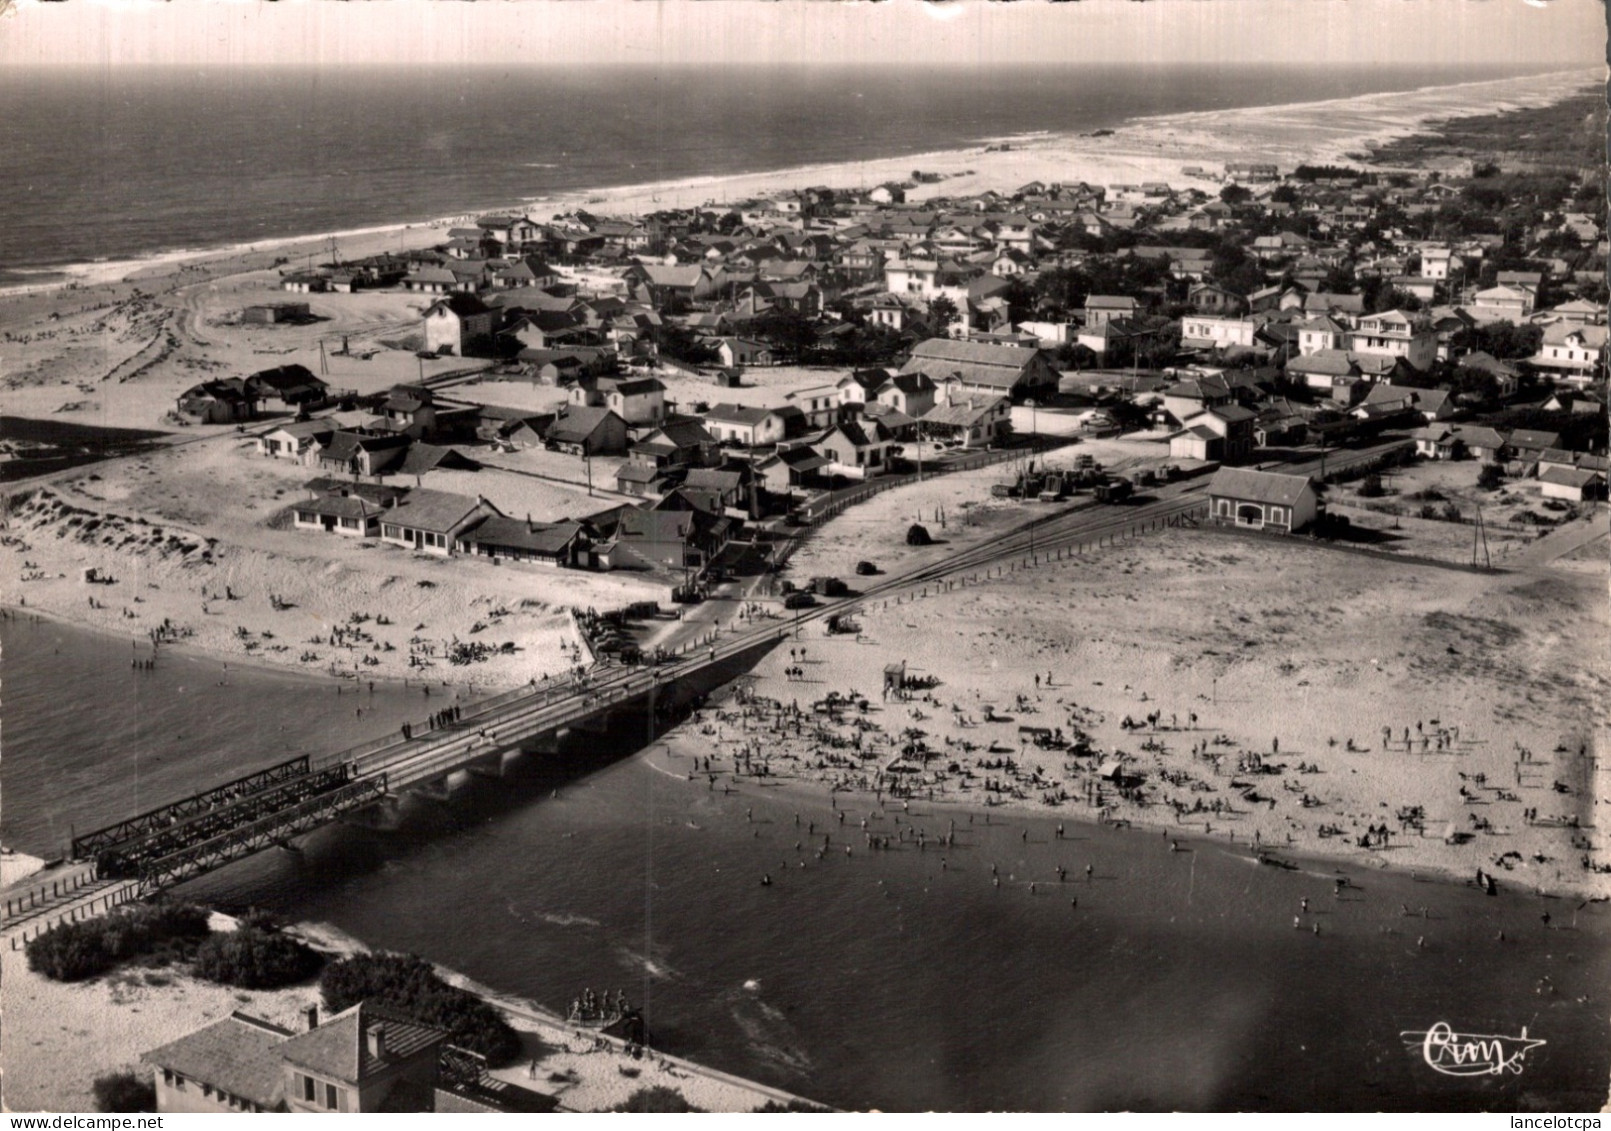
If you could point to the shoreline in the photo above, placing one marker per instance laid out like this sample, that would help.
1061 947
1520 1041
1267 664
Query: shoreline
1130 140
137 1007
1310 860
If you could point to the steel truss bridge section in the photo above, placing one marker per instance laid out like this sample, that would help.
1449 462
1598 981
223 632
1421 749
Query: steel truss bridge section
276 828
165 816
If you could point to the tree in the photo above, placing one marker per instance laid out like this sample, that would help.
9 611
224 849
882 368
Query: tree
255 959
683 345
1491 477
1235 194
656 1098
125 1092
942 312
1506 340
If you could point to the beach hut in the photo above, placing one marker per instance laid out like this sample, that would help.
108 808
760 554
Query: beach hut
895 677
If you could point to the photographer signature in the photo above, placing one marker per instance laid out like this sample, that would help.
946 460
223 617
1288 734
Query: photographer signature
1470 1054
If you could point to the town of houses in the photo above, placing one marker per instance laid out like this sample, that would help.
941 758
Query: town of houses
1291 308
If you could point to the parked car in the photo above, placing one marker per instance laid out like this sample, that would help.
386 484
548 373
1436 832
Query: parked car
866 569
799 600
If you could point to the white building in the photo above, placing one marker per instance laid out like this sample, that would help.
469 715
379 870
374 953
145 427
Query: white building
1202 332
1392 333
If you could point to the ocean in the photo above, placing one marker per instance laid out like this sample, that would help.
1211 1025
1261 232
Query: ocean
116 163
1167 980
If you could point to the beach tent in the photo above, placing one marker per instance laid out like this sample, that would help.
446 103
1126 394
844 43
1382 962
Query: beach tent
1110 770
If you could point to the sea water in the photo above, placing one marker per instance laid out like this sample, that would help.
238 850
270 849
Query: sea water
111 163
1165 979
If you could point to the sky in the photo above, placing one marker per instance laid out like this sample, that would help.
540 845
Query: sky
1529 33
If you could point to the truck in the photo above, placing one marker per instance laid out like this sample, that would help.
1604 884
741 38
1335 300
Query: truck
828 587
1054 488
1113 490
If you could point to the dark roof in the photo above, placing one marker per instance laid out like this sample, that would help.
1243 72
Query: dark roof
714 478
238 1055
409 398
1259 486
340 506
630 472
739 414
435 511
578 423
287 377
340 1048
539 538
426 457
1567 476
461 304
1530 438
345 446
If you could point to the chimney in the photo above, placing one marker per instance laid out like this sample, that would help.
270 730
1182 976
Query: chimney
376 1038
313 1017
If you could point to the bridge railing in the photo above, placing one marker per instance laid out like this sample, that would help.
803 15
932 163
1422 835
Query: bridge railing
163 816
277 827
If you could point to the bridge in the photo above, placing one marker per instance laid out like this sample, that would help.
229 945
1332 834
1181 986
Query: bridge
188 838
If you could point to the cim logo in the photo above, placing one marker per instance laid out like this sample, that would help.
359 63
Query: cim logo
1470 1054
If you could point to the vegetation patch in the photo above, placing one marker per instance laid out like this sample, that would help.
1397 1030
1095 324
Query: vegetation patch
408 985
72 952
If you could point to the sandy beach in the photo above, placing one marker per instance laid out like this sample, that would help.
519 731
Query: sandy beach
1251 690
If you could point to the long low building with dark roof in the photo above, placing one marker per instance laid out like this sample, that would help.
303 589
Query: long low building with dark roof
978 367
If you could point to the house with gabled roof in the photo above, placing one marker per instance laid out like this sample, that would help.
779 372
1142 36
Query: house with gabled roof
1224 433
224 401
360 452
1104 308
1262 500
1575 352
295 440
856 449
364 1059
1008 371
745 425
289 388
640 401
505 538
431 521
456 320
587 430
972 420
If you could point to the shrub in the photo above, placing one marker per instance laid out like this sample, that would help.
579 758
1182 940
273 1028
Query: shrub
1428 511
658 1098
1491 477
771 1106
1371 487
124 1092
917 535
255 959
1451 513
407 984
71 952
